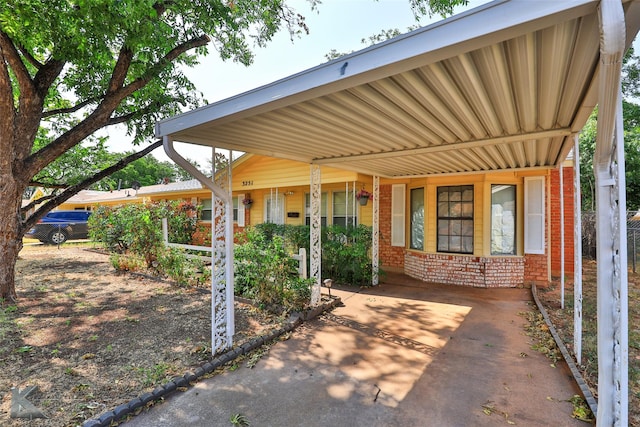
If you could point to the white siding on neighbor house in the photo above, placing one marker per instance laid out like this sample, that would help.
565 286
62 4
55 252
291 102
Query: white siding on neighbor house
534 208
398 207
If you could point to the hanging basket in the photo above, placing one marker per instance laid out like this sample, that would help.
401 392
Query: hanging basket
363 201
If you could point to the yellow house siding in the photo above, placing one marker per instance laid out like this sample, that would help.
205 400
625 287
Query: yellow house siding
261 172
482 205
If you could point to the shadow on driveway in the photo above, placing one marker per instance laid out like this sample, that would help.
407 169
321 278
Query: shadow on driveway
400 354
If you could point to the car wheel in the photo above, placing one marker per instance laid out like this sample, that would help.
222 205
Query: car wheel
58 237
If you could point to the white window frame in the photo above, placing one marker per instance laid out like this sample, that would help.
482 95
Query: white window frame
349 217
324 197
240 208
534 215
398 213
274 213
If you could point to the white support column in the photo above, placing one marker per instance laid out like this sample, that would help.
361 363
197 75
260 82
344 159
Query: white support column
376 231
222 322
229 276
577 254
315 233
562 236
612 304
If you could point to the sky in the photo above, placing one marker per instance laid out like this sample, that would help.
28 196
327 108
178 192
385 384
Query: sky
337 24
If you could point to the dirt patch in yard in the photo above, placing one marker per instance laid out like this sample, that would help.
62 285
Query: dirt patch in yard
91 339
563 322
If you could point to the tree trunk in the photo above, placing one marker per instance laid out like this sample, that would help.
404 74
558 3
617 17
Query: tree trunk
10 235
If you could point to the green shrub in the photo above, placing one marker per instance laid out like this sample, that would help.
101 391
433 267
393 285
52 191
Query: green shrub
266 273
133 234
346 251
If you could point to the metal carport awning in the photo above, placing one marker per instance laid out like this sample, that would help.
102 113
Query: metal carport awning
505 86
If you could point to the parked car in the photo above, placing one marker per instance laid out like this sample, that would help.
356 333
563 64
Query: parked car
59 226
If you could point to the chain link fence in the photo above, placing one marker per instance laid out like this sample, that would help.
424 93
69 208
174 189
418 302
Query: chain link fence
633 237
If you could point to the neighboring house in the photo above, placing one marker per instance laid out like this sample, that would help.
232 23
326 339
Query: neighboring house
467 230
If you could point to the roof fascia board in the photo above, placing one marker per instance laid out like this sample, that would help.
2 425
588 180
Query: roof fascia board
461 33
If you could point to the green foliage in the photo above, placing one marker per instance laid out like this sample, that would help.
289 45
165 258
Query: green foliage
631 123
346 254
174 263
266 273
75 165
90 37
145 171
239 420
154 375
133 233
138 227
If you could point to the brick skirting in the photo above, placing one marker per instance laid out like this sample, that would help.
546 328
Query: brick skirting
484 272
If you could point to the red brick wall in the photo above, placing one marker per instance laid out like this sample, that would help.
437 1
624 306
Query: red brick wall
390 256
535 270
555 218
204 234
493 272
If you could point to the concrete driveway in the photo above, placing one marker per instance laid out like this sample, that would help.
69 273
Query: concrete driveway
400 354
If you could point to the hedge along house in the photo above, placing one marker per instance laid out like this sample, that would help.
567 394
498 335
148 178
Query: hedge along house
461 110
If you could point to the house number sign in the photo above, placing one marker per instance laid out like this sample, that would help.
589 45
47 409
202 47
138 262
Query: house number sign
247 183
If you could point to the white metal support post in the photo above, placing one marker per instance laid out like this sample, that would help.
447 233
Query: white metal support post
562 236
612 304
577 254
222 320
376 230
315 233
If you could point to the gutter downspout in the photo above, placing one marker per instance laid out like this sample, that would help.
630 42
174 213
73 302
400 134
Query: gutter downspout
225 320
608 164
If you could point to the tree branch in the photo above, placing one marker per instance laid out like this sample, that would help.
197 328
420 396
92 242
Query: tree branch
12 56
171 56
101 116
46 184
75 189
122 119
33 61
120 70
73 109
33 204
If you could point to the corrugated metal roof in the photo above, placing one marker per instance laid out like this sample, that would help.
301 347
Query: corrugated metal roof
501 87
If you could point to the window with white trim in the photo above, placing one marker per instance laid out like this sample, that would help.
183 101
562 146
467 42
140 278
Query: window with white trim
455 219
398 195
206 212
416 233
503 219
274 208
340 216
534 197
323 209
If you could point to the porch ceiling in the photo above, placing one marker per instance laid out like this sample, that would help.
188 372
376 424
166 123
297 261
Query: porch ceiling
501 87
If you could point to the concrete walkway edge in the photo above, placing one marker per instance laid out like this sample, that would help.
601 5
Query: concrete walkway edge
584 388
121 411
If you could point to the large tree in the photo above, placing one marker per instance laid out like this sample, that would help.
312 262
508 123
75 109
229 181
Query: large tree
72 67
69 68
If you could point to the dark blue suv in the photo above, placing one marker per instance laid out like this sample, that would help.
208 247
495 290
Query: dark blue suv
59 226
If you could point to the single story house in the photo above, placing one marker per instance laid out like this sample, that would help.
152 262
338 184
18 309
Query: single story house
485 248
456 123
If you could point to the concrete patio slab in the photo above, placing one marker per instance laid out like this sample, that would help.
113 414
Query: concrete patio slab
400 354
